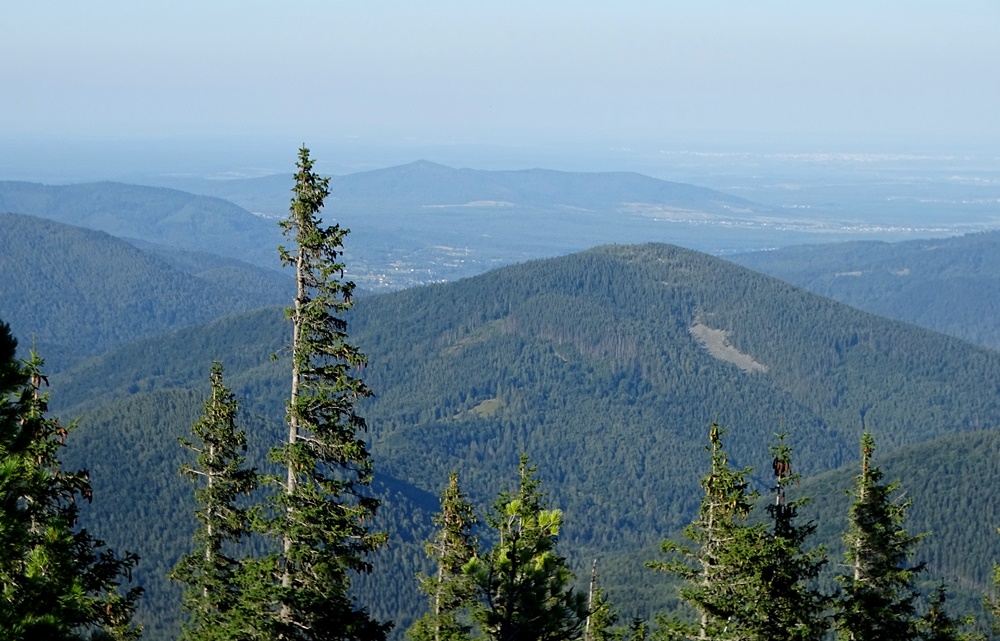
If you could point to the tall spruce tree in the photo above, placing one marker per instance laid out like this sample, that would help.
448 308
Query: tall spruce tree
782 598
56 580
878 599
718 569
324 505
449 590
213 595
523 588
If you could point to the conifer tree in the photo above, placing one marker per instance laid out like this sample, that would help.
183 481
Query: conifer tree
523 588
324 506
450 590
601 617
938 625
717 570
56 580
878 600
212 597
782 601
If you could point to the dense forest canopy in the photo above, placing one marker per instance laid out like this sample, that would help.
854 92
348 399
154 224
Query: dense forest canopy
586 362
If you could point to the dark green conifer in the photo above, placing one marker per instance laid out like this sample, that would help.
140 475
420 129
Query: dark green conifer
324 506
601 616
449 590
213 594
878 599
718 570
938 625
782 599
523 588
56 580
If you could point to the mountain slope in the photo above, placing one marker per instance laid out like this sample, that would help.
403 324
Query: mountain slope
424 222
77 292
604 366
153 214
950 285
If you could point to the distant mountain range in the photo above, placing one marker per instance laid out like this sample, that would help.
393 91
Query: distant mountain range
423 184
950 285
605 367
167 217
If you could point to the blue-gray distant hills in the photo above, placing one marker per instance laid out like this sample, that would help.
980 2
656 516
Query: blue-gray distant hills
167 217
416 223
424 184
950 285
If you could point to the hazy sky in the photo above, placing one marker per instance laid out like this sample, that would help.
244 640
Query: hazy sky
511 71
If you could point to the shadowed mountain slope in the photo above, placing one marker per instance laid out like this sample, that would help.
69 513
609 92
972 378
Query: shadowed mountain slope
77 292
950 285
163 216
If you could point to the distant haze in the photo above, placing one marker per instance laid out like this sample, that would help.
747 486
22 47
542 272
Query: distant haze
384 77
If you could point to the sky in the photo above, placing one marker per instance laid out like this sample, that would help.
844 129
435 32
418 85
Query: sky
514 74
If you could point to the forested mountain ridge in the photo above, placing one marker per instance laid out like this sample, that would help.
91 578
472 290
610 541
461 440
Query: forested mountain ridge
422 184
414 224
153 214
595 364
950 285
75 292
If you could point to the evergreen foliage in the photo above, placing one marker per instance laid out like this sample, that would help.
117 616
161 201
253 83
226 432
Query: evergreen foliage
586 361
212 575
76 293
523 588
717 571
57 581
786 603
949 285
879 595
937 625
450 590
322 508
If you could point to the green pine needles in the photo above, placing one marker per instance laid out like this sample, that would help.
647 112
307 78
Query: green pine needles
213 598
746 580
318 513
56 580
323 505
450 590
518 590
716 569
879 594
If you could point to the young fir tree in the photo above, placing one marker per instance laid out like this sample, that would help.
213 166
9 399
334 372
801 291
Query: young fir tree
938 625
782 602
601 617
324 506
523 590
877 603
718 570
56 580
450 590
212 597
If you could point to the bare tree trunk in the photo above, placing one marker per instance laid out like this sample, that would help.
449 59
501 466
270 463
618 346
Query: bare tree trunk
590 600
